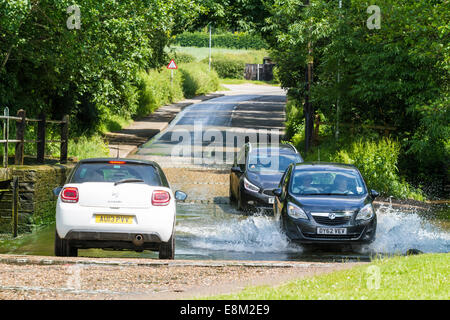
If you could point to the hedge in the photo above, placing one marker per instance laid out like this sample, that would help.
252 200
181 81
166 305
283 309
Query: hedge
228 65
237 40
155 88
197 79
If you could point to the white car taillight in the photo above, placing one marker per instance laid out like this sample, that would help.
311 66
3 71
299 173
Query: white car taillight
160 198
69 194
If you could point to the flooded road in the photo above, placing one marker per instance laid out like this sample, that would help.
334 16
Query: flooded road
220 232
208 228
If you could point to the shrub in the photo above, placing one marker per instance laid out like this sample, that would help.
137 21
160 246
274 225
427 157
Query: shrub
229 65
181 57
237 40
377 161
155 90
88 147
294 120
197 79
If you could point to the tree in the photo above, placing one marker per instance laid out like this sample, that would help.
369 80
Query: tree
396 76
88 72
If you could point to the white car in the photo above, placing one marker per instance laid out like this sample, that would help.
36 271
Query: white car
116 204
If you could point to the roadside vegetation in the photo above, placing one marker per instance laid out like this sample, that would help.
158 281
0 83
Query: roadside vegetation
233 40
393 92
420 277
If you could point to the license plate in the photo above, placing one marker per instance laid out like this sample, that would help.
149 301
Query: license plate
104 218
272 200
331 231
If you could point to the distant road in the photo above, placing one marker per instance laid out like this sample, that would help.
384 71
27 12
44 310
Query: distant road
243 108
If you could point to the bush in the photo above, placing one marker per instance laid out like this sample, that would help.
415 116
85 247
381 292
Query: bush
88 147
197 79
155 90
377 161
181 57
294 120
237 40
229 65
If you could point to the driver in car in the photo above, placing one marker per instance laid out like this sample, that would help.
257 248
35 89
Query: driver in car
303 185
341 185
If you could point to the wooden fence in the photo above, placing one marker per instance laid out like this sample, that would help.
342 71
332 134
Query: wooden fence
263 72
21 122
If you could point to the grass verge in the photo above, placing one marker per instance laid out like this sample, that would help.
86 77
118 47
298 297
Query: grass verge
421 277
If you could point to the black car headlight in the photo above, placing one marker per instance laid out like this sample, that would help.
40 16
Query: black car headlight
296 212
250 186
366 212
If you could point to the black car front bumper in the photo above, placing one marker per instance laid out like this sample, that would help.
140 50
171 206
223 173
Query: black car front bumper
305 231
256 200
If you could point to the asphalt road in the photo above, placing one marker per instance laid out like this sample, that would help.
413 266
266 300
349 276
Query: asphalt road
245 110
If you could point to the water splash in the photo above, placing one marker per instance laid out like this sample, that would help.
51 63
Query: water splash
255 234
398 231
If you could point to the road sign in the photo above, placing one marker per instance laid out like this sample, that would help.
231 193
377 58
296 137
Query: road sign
172 65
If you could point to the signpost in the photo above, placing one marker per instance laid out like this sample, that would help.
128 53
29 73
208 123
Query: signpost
171 66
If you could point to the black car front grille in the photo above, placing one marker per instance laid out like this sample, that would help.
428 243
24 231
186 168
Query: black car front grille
330 236
332 222
268 192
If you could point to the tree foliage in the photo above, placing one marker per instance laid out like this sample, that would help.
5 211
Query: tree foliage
88 72
397 75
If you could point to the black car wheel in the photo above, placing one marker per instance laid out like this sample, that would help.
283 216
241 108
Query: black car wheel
239 203
232 197
63 247
167 249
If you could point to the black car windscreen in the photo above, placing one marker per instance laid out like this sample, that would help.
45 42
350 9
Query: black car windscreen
108 172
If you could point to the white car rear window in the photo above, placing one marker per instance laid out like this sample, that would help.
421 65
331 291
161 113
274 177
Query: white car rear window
107 172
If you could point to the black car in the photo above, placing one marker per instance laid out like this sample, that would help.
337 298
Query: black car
325 203
257 170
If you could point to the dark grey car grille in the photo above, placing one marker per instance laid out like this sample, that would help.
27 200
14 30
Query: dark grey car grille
332 222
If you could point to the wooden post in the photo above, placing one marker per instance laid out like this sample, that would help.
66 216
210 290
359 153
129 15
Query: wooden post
15 206
308 109
20 135
64 139
40 144
5 137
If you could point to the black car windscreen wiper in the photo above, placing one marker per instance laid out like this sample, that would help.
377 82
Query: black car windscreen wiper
128 180
326 194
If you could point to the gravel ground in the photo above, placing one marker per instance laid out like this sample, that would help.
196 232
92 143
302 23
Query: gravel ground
41 278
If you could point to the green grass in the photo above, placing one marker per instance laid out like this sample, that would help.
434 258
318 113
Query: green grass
84 147
421 277
254 56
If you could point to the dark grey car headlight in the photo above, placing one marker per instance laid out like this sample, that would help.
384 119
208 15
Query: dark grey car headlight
366 213
296 212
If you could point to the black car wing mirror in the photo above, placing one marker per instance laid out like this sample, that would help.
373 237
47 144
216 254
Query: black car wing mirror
277 192
374 194
57 191
180 195
236 169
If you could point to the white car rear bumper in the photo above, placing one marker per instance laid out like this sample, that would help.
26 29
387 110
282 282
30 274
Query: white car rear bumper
79 223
